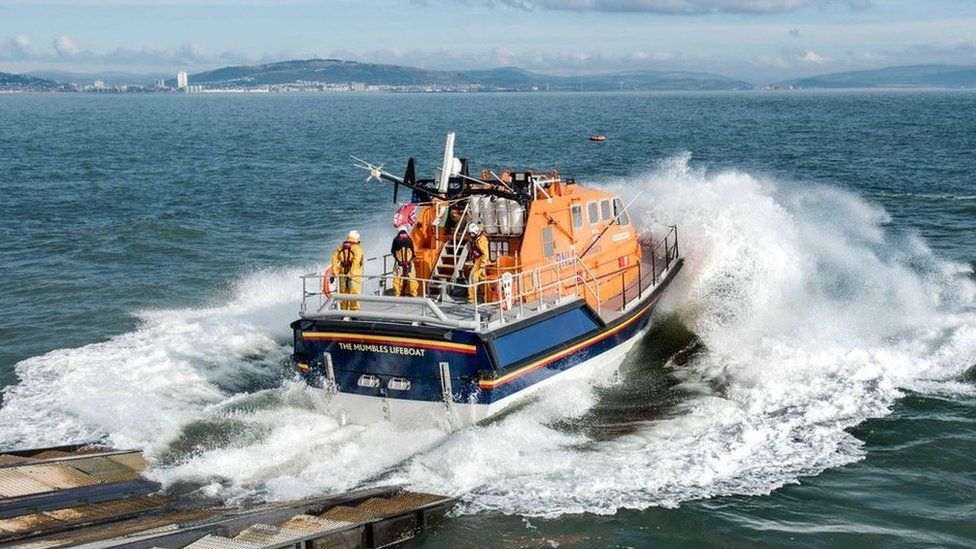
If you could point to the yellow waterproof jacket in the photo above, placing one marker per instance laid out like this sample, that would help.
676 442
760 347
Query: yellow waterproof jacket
348 259
479 250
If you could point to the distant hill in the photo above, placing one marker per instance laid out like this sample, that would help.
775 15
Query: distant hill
22 82
334 71
941 76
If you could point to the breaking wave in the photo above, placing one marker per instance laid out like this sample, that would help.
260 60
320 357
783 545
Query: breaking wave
141 388
809 314
799 314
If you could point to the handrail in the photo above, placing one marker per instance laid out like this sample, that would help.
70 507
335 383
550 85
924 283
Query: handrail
596 295
535 285
670 252
384 280
328 310
454 237
458 254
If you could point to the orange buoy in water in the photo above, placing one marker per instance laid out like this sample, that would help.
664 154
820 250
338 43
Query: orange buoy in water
599 138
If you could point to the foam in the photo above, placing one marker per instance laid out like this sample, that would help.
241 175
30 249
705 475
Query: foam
812 315
139 388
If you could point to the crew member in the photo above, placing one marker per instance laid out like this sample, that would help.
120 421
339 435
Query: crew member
403 254
347 264
478 249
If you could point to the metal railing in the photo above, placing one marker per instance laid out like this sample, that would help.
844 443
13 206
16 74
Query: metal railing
535 290
661 254
541 287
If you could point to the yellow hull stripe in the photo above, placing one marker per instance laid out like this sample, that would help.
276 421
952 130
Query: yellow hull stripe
492 383
404 341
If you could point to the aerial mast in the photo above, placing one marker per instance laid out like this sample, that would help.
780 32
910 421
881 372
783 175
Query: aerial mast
447 167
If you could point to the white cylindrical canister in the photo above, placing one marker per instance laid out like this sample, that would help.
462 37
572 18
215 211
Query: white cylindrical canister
474 209
516 217
501 215
488 215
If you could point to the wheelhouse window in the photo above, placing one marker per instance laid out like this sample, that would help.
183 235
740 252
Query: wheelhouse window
592 213
618 209
577 211
605 210
548 245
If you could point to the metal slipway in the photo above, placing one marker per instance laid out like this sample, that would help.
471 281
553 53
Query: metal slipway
91 496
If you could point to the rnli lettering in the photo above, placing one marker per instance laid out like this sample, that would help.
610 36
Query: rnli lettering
386 349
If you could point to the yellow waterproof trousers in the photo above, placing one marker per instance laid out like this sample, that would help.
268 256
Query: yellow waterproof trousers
403 282
477 276
349 285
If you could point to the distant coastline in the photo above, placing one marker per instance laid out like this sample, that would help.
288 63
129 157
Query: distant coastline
338 76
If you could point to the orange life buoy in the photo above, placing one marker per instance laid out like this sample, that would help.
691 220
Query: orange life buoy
326 284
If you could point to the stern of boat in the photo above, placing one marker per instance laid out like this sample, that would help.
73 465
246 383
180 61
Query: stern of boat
384 373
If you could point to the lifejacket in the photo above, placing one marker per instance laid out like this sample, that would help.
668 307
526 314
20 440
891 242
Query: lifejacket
346 256
402 251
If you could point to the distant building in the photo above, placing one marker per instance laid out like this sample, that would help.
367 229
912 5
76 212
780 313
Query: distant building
99 85
160 84
181 80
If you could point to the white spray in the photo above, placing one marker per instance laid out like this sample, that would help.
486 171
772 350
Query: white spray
812 317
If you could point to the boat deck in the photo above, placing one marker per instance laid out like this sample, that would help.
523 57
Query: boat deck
460 310
449 311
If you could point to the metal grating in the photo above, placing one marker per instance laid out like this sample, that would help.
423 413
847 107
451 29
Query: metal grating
265 534
347 514
13 482
314 525
57 476
132 460
217 542
381 508
417 499
104 469
95 511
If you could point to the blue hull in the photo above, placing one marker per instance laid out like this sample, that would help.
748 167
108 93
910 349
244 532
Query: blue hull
484 367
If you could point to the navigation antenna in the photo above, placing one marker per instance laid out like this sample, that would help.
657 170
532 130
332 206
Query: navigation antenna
450 166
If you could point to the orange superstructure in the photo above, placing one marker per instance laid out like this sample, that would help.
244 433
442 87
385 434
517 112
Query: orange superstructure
560 220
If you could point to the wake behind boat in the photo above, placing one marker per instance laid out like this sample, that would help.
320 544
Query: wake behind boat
515 281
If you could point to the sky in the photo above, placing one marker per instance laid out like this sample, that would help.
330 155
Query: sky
756 40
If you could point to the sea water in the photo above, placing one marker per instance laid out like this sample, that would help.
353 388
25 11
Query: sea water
808 380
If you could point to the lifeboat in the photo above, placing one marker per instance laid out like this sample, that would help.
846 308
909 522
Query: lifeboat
570 286
600 138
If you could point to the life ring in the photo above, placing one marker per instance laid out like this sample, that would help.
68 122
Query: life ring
506 287
328 286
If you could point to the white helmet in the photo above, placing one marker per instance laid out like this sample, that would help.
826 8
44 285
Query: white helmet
473 228
353 235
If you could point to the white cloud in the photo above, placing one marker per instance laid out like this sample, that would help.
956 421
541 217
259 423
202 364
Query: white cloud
63 49
65 46
20 54
810 56
22 46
